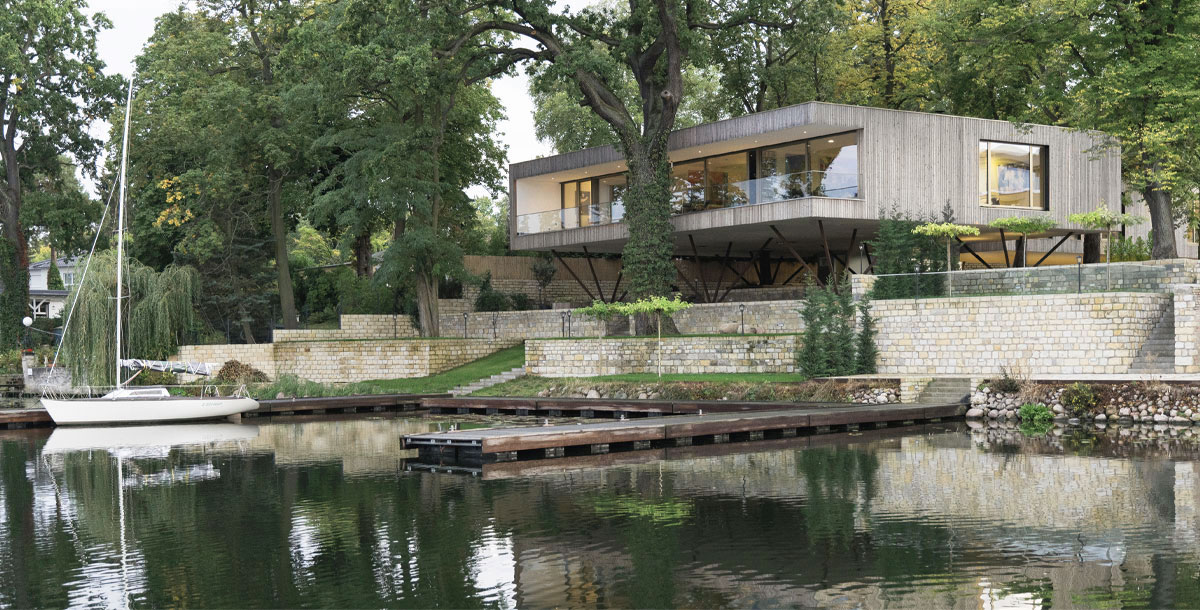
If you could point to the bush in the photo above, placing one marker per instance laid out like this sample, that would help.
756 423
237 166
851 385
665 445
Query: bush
1006 384
10 361
521 301
1079 399
239 372
155 378
489 298
1035 413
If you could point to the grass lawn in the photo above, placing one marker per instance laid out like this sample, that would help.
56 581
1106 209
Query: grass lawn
487 366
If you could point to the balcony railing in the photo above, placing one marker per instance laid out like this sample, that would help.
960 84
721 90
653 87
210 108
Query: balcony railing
697 198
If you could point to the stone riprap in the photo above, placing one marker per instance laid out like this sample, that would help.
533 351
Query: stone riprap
1150 404
591 357
1063 334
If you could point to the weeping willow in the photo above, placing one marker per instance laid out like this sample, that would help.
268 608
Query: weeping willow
158 311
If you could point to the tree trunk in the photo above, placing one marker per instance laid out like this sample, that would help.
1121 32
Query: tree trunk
362 255
14 260
1158 202
1091 248
427 308
287 299
647 253
1019 252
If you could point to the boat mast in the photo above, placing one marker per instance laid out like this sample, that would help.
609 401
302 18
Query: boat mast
121 225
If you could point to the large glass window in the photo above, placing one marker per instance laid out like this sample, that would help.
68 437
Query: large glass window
687 186
728 181
611 198
834 163
783 172
1013 175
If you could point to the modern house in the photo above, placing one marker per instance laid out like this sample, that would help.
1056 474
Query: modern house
811 181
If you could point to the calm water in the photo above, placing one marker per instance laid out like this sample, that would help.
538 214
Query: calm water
329 514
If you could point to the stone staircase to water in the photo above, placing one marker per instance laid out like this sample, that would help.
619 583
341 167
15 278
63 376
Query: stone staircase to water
488 382
1157 354
946 391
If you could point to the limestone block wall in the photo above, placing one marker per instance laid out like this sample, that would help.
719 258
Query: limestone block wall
349 361
259 355
590 357
1185 299
538 323
1061 334
356 326
761 316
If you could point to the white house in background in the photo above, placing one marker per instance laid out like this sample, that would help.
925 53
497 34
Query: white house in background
46 303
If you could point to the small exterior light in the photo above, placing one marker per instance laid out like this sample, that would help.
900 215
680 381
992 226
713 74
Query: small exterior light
27 321
742 309
464 325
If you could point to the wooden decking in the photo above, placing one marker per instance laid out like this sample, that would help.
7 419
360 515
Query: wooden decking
503 444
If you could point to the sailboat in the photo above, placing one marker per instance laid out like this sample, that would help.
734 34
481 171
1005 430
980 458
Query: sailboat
137 405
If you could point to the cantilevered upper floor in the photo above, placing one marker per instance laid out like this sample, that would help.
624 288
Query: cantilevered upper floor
738 182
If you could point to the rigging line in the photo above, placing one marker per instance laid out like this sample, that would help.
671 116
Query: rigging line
86 265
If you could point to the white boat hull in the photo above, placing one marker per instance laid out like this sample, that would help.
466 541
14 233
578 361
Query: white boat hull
143 410
125 438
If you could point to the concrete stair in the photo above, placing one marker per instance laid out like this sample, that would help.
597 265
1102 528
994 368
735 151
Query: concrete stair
475 386
953 390
1157 354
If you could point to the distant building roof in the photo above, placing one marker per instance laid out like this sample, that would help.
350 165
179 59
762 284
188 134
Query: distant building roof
66 261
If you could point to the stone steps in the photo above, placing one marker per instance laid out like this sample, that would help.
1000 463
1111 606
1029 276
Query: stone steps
946 391
488 382
1157 354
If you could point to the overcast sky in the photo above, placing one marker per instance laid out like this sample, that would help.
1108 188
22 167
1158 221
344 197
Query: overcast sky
133 23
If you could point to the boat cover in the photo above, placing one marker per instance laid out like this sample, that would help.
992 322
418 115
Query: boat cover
171 366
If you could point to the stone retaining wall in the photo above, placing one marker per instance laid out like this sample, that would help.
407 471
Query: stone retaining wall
761 317
356 326
590 357
1062 334
537 323
258 355
349 361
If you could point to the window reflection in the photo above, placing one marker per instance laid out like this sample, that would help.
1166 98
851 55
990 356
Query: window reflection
1012 175
728 177
783 172
834 163
611 199
687 186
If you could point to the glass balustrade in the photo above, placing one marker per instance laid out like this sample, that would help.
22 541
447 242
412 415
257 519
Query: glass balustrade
769 189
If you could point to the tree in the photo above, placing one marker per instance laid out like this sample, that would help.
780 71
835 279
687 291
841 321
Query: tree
161 313
58 213
1024 226
900 252
1103 219
597 49
51 90
54 279
657 307
405 128
544 270
947 232
866 352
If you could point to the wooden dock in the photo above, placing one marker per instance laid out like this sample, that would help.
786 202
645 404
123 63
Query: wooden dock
37 417
507 444
528 468
603 407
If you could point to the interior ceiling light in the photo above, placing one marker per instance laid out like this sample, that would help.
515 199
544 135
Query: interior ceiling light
830 141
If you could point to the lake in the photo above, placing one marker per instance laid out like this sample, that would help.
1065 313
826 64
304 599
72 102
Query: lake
330 513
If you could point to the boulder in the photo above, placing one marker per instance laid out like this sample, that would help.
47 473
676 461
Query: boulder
593 394
974 413
728 328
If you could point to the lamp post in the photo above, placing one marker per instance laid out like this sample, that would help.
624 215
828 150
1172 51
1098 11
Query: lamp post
862 258
563 316
1078 275
27 322
464 325
568 322
742 309
917 281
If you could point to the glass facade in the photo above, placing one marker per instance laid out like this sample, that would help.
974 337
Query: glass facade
825 166
1013 175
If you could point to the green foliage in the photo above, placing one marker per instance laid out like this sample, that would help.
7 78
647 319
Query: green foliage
646 257
899 250
1104 219
544 270
1024 225
1006 384
54 279
490 299
160 308
602 311
944 231
10 361
830 346
655 305
1036 419
236 371
1079 399
1125 249
14 298
866 352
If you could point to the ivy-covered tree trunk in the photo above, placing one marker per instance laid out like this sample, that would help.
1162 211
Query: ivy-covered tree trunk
647 255
14 260
362 254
